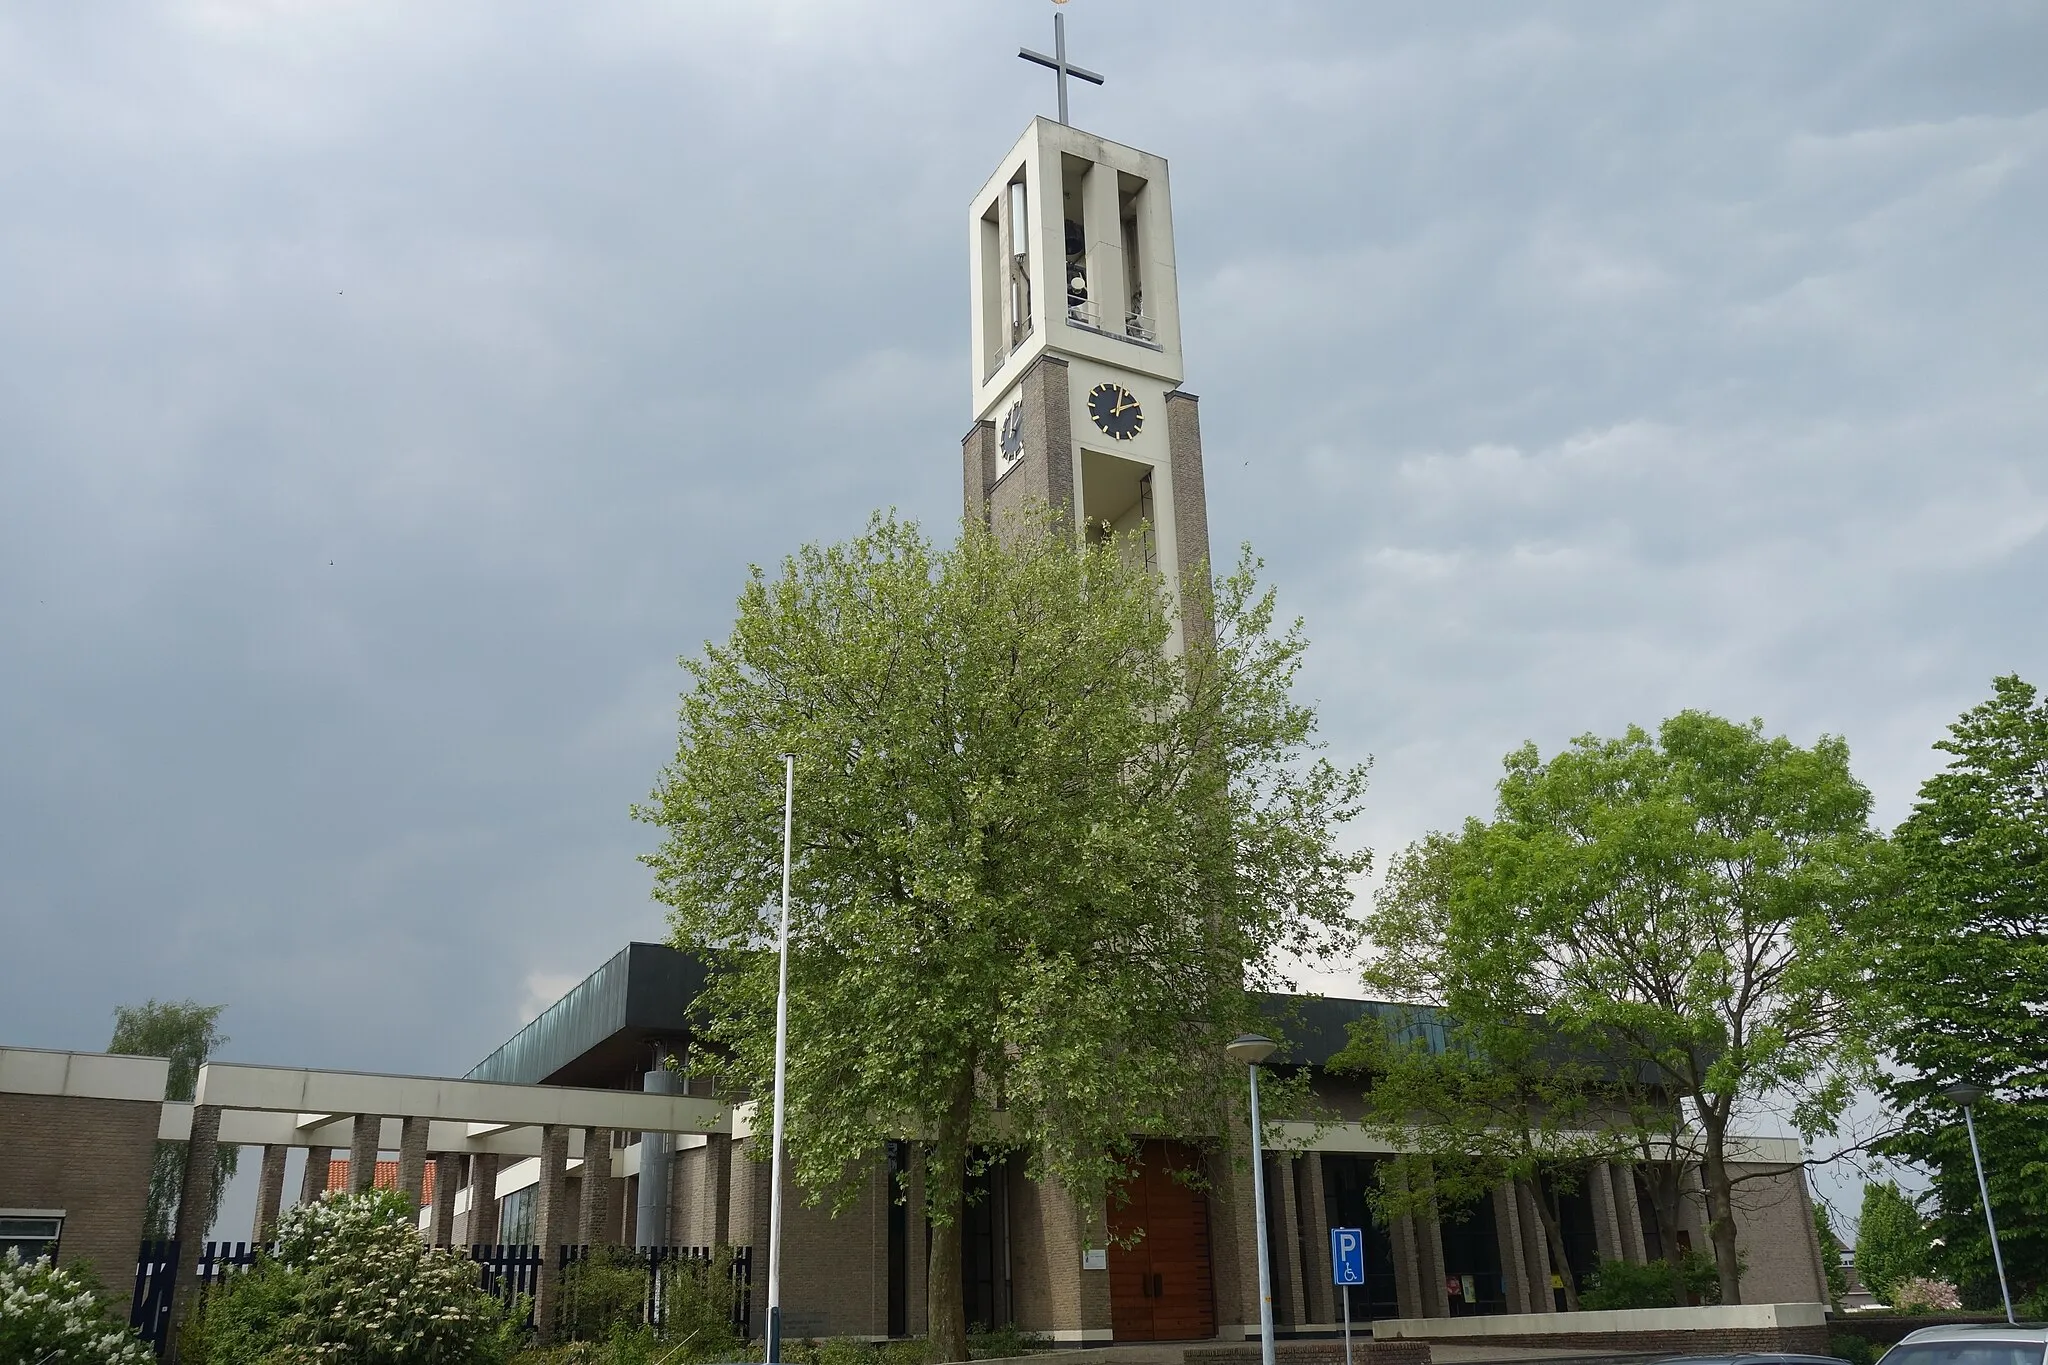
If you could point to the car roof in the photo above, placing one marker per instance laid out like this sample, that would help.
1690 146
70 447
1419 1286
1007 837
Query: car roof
2020 1333
1754 1358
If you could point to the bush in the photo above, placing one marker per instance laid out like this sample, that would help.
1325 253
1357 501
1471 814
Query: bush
1851 1348
607 1290
1621 1284
1917 1294
350 1280
53 1314
698 1304
1004 1343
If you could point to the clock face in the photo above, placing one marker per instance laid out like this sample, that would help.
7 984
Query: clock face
1013 434
1115 411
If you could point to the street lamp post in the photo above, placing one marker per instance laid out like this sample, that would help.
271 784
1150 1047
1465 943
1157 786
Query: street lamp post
1965 1097
781 1070
1248 1050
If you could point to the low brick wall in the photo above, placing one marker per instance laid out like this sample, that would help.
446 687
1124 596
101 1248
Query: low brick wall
1363 1352
1887 1329
1793 1327
1692 1341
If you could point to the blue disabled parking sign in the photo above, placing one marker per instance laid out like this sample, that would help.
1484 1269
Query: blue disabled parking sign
1347 1255
1347 1267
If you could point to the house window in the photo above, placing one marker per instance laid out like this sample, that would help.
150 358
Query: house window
32 1232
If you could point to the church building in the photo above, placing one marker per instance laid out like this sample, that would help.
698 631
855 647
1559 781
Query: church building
1077 405
1075 344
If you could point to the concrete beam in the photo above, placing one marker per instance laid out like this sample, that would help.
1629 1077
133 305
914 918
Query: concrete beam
298 1091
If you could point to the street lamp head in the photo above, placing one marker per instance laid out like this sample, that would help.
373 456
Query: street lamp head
1963 1093
1249 1049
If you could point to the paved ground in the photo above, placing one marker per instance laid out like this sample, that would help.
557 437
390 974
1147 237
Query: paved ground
1441 1353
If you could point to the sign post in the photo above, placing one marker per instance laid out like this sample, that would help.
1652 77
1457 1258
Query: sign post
1347 1267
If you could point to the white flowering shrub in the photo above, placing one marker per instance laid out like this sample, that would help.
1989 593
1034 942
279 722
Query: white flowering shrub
351 1281
1919 1294
48 1314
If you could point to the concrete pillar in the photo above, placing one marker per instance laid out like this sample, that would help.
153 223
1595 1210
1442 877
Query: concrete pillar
269 1192
1316 1272
718 1186
1103 225
483 1199
1283 1219
195 1203
362 1152
1514 1265
1408 1300
1628 1213
1606 1221
598 1204
447 1175
313 1181
412 1159
1429 1239
551 1227
1541 1267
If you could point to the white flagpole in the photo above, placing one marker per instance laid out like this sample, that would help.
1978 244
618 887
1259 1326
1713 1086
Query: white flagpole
781 1071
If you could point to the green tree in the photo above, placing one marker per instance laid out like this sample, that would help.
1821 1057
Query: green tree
1695 908
1892 1239
1041 860
1830 1255
1482 1090
1966 974
186 1033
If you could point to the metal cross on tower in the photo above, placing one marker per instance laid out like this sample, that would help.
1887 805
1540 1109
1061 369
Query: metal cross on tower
1058 61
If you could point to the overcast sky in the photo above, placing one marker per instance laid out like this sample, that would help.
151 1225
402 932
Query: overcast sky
390 393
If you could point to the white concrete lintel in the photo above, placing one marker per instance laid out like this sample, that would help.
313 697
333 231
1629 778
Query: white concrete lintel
82 1075
296 1091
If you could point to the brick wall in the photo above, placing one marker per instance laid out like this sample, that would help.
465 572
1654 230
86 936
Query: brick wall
1774 1232
1690 1341
90 1158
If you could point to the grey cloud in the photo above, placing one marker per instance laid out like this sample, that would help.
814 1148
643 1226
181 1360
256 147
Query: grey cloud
389 394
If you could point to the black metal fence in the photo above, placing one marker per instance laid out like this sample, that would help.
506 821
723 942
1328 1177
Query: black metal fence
505 1271
149 1311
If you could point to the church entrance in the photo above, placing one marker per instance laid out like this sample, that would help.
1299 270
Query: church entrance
1159 1290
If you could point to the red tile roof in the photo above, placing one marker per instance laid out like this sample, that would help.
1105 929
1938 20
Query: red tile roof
385 1179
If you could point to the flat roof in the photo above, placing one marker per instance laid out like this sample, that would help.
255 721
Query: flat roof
604 1028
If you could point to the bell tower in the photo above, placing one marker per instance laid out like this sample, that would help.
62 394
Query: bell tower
1076 348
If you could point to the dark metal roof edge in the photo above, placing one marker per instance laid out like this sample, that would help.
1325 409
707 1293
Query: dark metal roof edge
552 1022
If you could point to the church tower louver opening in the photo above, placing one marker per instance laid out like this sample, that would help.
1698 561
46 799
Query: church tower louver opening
1076 350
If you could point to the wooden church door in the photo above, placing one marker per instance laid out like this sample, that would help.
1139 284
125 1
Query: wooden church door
1159 1290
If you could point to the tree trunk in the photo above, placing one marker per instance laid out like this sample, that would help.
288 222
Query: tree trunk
945 1199
1721 1213
1665 1182
1553 1237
